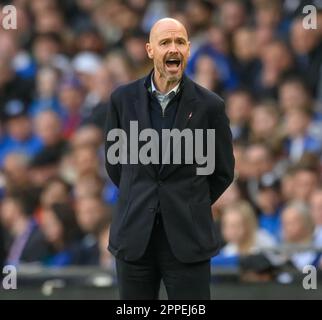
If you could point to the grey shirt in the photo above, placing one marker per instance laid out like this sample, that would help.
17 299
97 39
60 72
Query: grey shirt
164 98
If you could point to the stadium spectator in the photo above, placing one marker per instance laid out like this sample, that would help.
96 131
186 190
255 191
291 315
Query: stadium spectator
298 140
207 74
316 214
245 56
269 205
293 93
304 180
307 46
86 160
86 65
62 233
19 134
48 127
46 47
119 65
260 163
88 185
44 166
232 15
93 218
241 234
56 190
239 109
26 241
269 14
134 45
276 60
88 135
297 229
71 98
265 125
98 97
16 173
46 92
12 86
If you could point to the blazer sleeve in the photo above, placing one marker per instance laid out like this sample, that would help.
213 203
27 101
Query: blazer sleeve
112 122
223 174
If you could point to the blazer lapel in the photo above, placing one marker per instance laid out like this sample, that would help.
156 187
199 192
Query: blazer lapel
143 116
186 109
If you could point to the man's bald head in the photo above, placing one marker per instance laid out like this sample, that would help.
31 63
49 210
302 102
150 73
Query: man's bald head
166 23
169 48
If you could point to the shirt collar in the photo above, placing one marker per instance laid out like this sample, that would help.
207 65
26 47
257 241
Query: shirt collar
155 90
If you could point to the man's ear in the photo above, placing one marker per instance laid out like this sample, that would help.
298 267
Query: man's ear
149 50
189 48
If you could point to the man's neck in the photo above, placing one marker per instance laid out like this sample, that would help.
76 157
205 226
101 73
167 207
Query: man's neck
162 84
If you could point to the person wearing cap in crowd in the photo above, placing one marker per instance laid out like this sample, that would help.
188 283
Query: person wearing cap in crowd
86 66
19 137
44 166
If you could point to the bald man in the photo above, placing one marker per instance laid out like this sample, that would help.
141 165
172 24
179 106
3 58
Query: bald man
162 227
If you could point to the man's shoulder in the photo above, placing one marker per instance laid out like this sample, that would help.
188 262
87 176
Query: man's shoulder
209 99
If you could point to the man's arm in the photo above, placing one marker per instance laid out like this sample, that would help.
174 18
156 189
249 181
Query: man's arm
112 122
223 174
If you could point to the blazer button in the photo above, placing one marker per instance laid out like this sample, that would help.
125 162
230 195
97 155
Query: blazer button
151 209
160 183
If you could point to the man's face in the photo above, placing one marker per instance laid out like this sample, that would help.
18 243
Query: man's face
19 127
89 214
169 48
233 227
305 182
294 229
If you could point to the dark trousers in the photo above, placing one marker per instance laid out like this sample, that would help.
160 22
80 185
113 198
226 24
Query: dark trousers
141 279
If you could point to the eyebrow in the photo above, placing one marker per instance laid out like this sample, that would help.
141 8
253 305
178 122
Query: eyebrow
177 38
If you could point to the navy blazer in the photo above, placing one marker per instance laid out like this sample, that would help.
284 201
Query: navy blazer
185 198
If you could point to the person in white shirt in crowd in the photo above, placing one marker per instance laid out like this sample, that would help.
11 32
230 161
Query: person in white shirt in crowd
297 230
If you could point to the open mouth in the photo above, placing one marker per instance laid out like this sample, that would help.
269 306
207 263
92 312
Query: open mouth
173 62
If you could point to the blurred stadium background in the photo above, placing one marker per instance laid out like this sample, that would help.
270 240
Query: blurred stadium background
57 71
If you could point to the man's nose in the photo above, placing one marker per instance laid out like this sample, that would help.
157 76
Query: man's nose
173 48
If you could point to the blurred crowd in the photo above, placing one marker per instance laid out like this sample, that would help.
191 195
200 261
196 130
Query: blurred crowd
57 71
